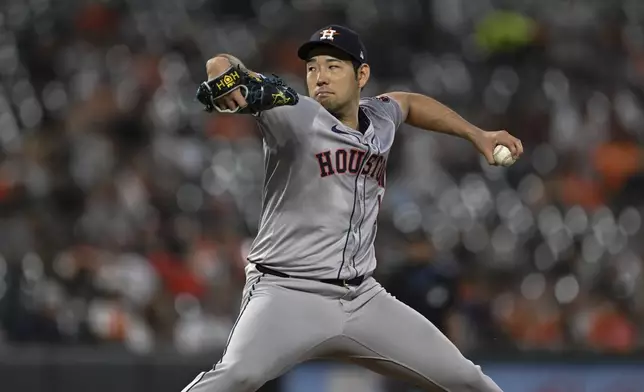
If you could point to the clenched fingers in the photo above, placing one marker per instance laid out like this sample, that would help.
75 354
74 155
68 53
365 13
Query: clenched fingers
238 98
232 101
519 148
511 142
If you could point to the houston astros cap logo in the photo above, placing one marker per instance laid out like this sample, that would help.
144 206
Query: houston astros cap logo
339 37
328 34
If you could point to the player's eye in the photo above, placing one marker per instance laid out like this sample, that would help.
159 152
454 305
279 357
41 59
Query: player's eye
310 68
333 66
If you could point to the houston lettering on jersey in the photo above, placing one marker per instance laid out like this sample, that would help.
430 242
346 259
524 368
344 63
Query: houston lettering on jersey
341 161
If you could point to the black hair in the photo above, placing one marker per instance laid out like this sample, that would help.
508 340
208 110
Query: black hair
356 67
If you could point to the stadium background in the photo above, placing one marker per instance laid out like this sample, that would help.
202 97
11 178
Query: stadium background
126 212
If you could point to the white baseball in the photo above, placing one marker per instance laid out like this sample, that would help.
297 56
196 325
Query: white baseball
503 156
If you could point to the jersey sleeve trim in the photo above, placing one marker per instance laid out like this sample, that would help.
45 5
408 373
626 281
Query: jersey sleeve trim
386 106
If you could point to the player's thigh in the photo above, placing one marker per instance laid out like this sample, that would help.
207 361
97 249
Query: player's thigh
393 339
281 325
276 329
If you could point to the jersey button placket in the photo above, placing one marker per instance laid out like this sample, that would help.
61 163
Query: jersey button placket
359 210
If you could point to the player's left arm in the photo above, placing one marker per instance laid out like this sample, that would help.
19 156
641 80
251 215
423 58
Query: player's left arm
427 113
232 88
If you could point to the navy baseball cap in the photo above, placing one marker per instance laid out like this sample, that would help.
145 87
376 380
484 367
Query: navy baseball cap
339 37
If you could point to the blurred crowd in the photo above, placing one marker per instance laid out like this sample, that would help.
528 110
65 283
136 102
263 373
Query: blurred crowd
127 212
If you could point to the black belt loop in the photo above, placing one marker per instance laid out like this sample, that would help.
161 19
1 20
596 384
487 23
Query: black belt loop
357 281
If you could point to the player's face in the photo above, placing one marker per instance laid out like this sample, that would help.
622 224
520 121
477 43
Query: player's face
332 81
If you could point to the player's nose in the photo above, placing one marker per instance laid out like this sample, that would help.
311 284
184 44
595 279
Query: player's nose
321 79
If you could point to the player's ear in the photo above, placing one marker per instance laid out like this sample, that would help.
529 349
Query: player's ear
363 73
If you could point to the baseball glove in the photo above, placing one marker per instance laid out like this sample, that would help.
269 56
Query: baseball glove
261 92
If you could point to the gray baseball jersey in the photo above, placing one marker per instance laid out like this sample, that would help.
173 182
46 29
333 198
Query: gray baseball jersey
323 187
322 192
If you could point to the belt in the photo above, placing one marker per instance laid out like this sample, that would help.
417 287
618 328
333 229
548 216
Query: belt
338 282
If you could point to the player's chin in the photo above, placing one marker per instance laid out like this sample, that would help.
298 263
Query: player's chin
326 101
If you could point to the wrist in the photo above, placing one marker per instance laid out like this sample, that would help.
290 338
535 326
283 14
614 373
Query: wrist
471 133
459 127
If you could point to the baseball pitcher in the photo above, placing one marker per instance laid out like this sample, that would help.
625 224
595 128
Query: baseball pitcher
309 291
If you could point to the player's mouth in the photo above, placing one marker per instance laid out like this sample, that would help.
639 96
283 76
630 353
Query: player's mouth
320 94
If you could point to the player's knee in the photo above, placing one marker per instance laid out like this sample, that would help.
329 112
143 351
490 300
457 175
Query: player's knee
472 379
245 377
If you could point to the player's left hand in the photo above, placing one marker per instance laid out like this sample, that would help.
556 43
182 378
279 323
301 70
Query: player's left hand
232 101
485 142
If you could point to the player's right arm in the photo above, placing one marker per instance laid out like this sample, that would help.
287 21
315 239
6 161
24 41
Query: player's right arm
424 112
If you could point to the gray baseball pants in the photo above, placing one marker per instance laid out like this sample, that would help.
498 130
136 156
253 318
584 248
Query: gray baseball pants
286 321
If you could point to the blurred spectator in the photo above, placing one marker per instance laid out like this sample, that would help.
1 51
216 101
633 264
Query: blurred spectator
425 284
126 212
